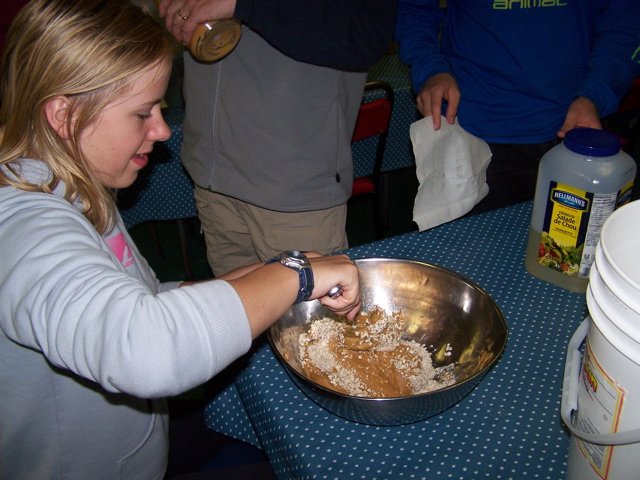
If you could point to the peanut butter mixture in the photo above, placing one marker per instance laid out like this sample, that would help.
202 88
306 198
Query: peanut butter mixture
369 358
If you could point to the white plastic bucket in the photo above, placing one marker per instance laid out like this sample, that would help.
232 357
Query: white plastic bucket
625 317
603 394
601 389
626 293
620 245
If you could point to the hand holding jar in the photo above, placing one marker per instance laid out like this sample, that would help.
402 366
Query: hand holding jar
206 26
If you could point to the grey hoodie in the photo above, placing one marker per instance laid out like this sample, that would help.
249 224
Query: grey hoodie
89 337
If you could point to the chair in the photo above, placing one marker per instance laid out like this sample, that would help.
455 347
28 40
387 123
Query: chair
373 121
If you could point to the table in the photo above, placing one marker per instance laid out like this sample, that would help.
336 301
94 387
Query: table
508 427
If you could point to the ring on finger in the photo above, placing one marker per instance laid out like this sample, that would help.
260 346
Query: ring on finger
183 17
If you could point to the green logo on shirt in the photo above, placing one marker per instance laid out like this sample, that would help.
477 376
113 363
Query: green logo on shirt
510 4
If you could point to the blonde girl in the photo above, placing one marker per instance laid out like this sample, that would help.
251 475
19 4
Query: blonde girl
90 341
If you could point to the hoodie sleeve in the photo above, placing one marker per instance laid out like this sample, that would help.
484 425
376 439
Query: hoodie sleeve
66 295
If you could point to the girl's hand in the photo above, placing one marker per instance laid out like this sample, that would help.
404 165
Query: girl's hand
332 270
267 291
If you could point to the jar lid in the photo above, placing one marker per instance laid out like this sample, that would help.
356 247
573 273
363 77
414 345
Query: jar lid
592 142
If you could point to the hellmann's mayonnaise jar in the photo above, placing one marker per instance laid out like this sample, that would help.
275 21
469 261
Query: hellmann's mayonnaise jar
580 183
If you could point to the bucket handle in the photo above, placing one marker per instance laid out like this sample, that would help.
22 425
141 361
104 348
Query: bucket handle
570 386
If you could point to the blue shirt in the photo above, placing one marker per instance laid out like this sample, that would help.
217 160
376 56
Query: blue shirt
520 64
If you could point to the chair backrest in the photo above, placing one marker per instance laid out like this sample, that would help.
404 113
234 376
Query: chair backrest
373 120
375 115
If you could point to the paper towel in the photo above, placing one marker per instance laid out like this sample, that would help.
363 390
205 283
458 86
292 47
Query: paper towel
451 166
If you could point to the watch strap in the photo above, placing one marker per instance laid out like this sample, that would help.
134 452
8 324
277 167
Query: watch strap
292 260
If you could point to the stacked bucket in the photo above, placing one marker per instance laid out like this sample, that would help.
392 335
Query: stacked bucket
601 391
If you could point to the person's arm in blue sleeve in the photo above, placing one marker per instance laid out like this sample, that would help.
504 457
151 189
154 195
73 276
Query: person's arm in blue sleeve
613 64
614 60
417 28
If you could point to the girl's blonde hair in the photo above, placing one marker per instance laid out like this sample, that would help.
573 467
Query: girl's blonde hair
90 51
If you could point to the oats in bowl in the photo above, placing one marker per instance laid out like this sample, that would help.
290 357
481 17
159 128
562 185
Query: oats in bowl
370 357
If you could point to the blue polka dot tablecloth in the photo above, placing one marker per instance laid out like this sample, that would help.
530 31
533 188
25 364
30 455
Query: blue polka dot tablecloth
508 427
399 152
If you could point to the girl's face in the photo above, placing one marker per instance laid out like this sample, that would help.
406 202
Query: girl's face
118 144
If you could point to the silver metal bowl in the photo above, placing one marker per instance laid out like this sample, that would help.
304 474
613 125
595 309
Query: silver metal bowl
443 309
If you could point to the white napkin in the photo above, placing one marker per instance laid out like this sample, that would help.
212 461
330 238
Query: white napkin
451 165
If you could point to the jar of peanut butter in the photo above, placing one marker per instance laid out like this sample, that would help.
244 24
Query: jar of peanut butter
212 41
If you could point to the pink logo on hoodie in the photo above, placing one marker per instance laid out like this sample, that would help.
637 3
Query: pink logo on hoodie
121 248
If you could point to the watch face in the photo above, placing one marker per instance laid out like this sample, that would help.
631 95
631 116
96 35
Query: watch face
298 261
294 259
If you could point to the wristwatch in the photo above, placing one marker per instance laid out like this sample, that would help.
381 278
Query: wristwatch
297 261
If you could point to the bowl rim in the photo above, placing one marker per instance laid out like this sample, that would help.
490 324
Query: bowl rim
289 369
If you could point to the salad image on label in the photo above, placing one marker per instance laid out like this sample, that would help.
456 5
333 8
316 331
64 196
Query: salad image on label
563 258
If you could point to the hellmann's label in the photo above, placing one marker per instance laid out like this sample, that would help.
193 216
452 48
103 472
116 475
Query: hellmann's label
572 224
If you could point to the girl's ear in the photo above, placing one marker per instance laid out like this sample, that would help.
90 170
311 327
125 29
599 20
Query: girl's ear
57 112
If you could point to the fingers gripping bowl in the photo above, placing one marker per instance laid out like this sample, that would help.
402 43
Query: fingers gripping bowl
453 318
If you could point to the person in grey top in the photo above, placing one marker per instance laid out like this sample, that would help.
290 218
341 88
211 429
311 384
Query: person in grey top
267 129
